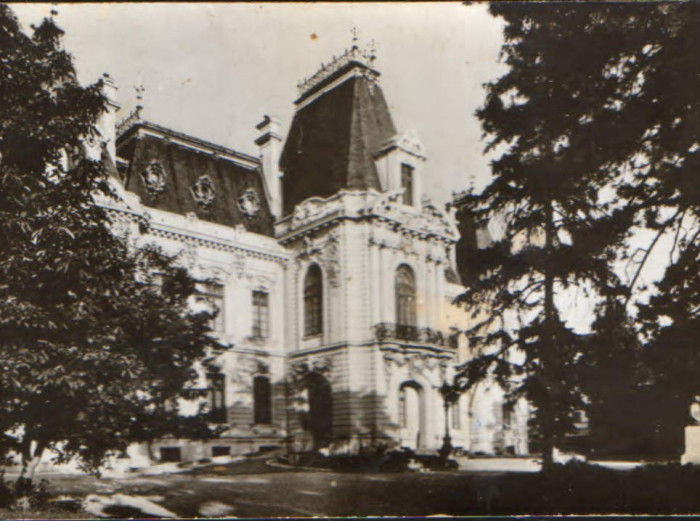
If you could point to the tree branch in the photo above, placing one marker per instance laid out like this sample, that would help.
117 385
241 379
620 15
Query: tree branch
647 253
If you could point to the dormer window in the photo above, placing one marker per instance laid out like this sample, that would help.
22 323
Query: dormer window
407 183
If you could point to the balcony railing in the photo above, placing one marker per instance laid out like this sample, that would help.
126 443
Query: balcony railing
419 335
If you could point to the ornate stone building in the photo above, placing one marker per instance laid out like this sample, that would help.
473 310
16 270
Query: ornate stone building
333 274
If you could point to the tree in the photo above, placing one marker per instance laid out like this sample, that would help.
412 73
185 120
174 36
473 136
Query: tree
548 189
664 165
97 340
597 122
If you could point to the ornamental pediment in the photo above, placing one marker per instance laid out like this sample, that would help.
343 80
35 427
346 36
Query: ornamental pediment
408 142
429 219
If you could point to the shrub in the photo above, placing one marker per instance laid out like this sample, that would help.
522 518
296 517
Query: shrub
23 494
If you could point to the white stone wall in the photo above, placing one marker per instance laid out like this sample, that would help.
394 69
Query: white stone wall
358 239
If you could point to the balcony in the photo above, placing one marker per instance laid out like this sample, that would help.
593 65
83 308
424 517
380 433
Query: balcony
414 334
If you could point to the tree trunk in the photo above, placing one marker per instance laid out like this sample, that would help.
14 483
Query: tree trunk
548 344
30 460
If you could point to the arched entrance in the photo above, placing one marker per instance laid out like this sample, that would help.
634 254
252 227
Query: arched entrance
320 423
412 415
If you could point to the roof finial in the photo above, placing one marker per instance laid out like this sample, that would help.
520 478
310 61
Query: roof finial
372 51
139 100
354 37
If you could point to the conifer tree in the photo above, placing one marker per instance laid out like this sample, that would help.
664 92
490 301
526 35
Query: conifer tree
597 121
548 193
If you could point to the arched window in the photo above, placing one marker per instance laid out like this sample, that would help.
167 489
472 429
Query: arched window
262 400
313 301
405 296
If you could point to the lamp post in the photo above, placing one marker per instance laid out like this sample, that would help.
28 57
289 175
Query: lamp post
450 394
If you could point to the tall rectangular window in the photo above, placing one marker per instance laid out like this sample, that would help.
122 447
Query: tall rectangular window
407 183
261 314
213 294
217 398
313 301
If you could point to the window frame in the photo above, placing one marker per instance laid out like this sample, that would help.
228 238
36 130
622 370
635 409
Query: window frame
216 397
405 292
313 301
408 180
260 328
209 292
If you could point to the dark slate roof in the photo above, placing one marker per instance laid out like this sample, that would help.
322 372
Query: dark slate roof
467 245
333 139
184 160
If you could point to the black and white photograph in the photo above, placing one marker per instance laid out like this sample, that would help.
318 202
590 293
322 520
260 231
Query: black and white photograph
349 259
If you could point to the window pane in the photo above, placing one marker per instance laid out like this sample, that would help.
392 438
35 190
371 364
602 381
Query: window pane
405 288
213 294
407 183
217 401
261 314
313 301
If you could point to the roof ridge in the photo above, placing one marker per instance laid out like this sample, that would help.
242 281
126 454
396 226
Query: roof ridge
192 139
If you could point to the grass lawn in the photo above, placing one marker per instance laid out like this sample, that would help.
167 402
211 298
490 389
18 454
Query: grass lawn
42 514
260 491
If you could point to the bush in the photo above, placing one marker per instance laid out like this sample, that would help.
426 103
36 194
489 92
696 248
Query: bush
372 461
23 494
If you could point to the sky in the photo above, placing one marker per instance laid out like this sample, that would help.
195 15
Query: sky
214 70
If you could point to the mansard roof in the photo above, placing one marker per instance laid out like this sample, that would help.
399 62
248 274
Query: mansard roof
341 121
179 173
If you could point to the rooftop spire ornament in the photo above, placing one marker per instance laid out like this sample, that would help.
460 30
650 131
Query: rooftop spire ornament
372 55
139 99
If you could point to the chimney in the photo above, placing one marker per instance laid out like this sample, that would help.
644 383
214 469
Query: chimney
269 146
107 122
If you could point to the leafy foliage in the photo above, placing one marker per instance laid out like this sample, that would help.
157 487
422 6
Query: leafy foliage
97 341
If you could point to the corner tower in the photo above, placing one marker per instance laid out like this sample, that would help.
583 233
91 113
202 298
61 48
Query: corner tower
341 122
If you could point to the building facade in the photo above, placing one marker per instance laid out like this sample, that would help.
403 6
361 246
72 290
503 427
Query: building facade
333 274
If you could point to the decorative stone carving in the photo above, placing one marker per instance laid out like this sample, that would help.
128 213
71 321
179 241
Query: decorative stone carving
263 282
153 178
188 256
406 243
310 247
430 220
308 210
409 142
203 191
388 202
314 208
331 259
249 203
121 228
